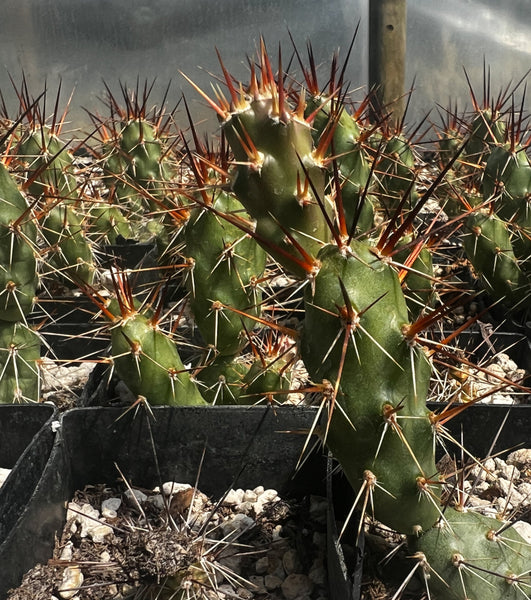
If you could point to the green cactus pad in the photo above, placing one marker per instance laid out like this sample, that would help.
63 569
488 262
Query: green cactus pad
20 350
70 250
270 188
489 248
381 373
223 274
148 361
467 559
18 234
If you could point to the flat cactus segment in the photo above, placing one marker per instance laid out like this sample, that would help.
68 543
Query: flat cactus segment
489 247
148 361
70 250
20 350
226 263
49 161
18 234
468 558
507 180
380 424
277 178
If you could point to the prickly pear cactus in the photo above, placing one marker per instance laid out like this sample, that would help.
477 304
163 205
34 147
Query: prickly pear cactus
223 274
355 329
20 352
147 359
18 239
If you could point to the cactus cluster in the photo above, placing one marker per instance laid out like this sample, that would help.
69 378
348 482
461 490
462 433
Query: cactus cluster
306 189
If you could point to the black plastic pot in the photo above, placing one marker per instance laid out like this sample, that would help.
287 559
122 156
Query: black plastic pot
489 429
228 446
26 440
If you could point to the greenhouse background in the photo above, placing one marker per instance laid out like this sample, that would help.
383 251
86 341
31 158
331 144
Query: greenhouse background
85 42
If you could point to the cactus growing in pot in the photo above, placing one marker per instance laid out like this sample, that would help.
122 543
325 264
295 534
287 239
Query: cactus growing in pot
358 342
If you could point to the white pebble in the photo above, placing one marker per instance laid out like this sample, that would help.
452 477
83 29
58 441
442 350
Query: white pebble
110 506
98 533
233 497
172 487
520 458
250 496
524 489
72 581
524 529
66 553
268 495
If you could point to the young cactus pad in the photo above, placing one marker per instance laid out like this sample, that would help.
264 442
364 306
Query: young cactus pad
354 337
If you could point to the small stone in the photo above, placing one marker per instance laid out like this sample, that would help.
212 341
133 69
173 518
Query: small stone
318 509
272 582
258 584
523 528
502 505
524 489
246 508
98 533
237 524
318 575
506 471
105 556
135 497
291 561
67 551
521 459
110 506
172 487
510 492
71 582
276 534
268 496
296 585
259 490
497 373
250 496
233 497
475 502
261 566
276 567
157 500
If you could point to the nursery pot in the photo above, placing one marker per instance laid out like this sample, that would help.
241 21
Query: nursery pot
26 440
215 448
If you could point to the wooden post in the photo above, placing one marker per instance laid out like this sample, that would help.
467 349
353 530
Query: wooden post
387 56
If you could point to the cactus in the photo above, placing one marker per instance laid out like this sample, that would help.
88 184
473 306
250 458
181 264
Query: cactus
313 189
358 341
144 355
19 344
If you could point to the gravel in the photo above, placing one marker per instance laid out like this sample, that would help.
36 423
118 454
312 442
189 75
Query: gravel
129 543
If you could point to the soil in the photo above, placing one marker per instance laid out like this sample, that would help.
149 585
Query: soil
189 535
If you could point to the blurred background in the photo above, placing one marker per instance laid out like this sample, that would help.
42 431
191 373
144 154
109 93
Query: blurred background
85 42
